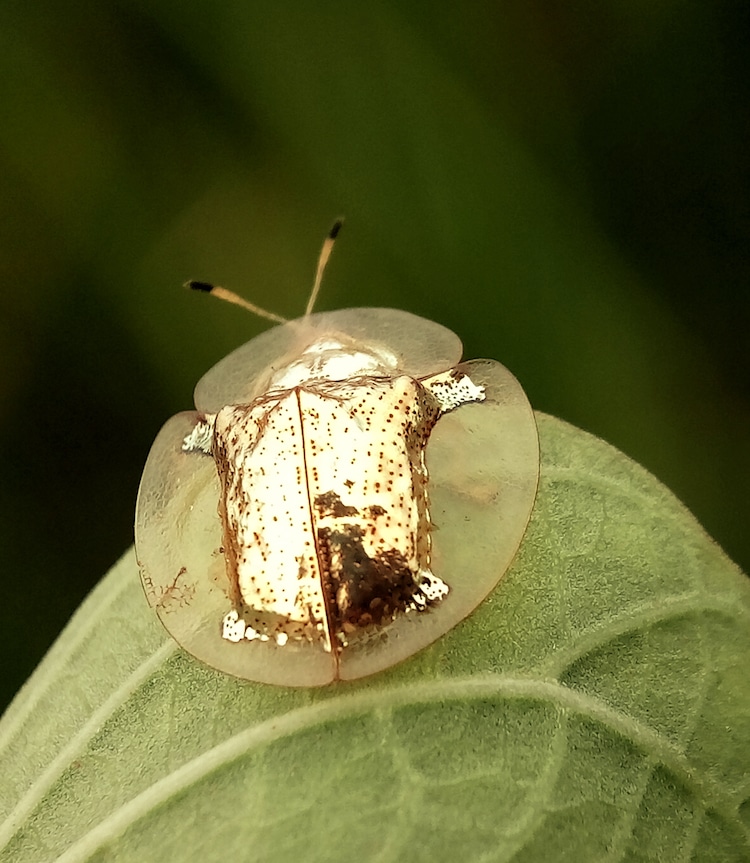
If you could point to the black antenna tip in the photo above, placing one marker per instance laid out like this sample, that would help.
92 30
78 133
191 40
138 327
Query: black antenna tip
192 285
334 232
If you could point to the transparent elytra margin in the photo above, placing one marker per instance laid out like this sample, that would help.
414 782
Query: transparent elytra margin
483 463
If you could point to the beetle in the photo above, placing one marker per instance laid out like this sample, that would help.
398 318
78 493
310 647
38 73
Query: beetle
346 491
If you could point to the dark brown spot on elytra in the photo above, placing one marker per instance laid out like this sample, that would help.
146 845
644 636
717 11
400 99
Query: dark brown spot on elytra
330 504
361 590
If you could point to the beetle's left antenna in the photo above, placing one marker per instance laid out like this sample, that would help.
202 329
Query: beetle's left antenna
230 296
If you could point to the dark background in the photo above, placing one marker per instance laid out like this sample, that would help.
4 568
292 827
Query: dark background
563 184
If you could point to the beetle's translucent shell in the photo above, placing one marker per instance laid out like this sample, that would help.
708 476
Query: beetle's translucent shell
483 463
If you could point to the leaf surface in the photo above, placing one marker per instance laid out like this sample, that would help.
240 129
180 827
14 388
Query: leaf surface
595 707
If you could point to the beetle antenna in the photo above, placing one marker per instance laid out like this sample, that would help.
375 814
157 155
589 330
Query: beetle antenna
325 254
230 297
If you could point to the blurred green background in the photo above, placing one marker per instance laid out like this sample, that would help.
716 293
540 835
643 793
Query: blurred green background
563 184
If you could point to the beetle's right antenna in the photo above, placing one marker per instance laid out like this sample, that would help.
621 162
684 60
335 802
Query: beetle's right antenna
325 254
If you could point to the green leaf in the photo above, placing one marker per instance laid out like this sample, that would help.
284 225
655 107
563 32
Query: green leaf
595 707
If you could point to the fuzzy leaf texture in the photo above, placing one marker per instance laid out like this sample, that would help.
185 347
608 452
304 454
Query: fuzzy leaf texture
595 708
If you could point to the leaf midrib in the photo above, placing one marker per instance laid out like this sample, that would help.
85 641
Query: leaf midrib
707 792
552 667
